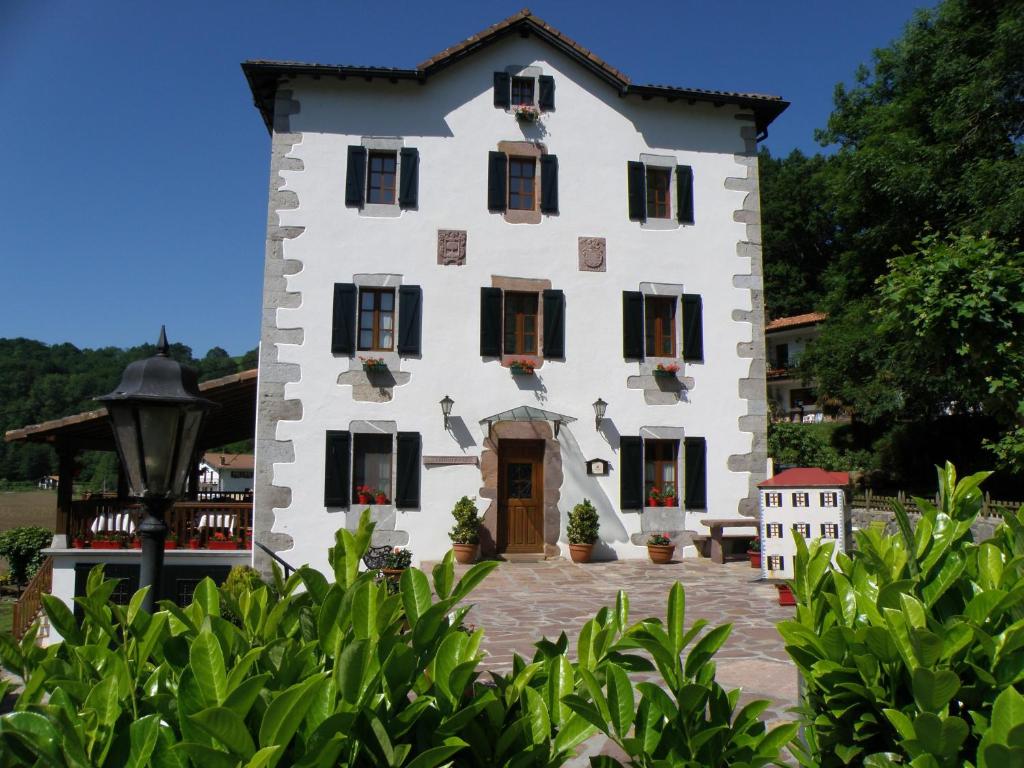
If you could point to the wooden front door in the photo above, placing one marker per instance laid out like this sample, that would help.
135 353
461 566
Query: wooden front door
521 496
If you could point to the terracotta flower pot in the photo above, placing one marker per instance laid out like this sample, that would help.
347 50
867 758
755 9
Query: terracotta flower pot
668 501
78 543
652 502
136 543
364 498
660 554
580 553
194 544
221 545
786 596
170 544
755 559
105 544
465 553
381 498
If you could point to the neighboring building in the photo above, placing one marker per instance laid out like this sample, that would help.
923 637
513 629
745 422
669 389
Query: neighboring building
786 338
513 198
226 472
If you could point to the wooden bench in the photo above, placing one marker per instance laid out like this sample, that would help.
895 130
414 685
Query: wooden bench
718 534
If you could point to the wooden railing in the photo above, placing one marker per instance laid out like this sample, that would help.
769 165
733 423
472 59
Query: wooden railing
31 600
186 520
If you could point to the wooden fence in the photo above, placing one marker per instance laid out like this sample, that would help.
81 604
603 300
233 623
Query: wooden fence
868 500
31 600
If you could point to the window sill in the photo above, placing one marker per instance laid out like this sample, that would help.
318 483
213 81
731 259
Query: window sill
659 225
380 211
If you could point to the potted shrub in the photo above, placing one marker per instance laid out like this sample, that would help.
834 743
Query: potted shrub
754 552
582 531
521 367
660 548
194 541
465 534
380 496
668 498
666 371
364 494
654 497
374 364
220 540
396 561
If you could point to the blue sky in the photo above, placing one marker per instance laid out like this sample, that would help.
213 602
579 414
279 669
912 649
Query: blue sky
136 165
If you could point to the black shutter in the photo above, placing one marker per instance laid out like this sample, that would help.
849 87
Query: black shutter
696 458
355 179
336 478
637 191
502 90
631 472
407 466
693 328
546 100
343 326
409 184
490 322
497 181
684 193
410 310
554 324
548 184
633 325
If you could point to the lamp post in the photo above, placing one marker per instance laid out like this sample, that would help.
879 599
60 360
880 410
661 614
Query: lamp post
446 409
156 414
600 406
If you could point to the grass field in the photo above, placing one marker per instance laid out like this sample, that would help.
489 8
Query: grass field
27 508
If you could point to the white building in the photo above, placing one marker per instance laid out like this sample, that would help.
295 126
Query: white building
786 339
423 218
226 472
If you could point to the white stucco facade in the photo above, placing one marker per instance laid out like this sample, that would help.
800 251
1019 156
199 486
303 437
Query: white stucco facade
452 122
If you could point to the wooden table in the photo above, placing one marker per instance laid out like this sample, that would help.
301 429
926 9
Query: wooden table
718 526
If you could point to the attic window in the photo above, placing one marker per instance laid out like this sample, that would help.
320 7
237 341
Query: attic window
522 91
526 88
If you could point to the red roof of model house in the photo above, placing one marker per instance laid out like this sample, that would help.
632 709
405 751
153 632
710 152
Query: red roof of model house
806 477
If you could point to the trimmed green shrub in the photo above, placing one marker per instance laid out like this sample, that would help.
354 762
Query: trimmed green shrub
467 522
23 547
912 650
583 524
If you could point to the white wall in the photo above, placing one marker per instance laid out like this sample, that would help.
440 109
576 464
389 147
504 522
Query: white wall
451 120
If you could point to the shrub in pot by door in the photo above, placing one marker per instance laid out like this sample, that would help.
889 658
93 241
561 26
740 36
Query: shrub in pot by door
465 534
660 548
582 531
754 553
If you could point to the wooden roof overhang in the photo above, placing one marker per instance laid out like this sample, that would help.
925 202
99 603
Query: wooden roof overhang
265 76
234 420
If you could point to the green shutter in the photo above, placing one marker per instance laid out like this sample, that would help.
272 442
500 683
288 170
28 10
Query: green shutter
548 184
631 472
637 177
632 325
497 181
502 89
695 456
684 193
693 328
546 98
409 183
343 324
336 469
554 324
407 468
490 322
355 177
410 302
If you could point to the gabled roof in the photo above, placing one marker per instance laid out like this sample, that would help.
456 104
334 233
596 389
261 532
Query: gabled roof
219 460
806 477
264 76
796 321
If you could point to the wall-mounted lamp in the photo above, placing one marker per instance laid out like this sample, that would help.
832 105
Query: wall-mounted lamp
600 406
446 409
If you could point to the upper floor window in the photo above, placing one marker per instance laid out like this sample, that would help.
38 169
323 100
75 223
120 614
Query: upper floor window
660 319
521 183
377 319
659 199
381 180
524 90
651 325
651 183
520 323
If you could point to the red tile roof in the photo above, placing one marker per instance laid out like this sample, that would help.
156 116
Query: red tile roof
806 477
795 321
219 460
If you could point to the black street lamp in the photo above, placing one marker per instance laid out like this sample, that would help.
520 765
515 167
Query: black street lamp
446 409
600 406
157 414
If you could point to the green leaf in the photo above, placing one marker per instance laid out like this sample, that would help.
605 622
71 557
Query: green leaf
946 577
37 734
228 728
472 578
444 575
933 690
574 731
620 700
207 597
62 619
430 758
207 662
561 681
538 723
143 735
676 616
266 756
104 700
364 610
285 713
415 590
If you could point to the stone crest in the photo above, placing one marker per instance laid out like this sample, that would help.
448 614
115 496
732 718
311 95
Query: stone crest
592 254
451 247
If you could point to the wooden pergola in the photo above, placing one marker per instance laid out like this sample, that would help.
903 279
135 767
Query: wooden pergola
234 420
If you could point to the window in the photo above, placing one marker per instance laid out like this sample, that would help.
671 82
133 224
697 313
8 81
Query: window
800 500
773 499
829 531
376 319
782 355
659 203
661 467
828 499
799 398
804 529
371 463
521 183
773 530
660 320
650 184
776 562
520 323
380 182
522 91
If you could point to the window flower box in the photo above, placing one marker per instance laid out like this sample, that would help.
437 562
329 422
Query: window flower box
222 545
521 368
666 371
526 113
374 364
104 544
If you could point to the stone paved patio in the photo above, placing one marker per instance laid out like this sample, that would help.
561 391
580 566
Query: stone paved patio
521 602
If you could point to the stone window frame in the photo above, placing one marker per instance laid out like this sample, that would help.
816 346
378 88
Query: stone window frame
523 285
677 434
383 144
662 162
378 281
675 291
520 150
373 427
675 469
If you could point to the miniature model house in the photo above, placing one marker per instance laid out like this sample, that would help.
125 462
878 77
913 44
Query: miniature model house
807 502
